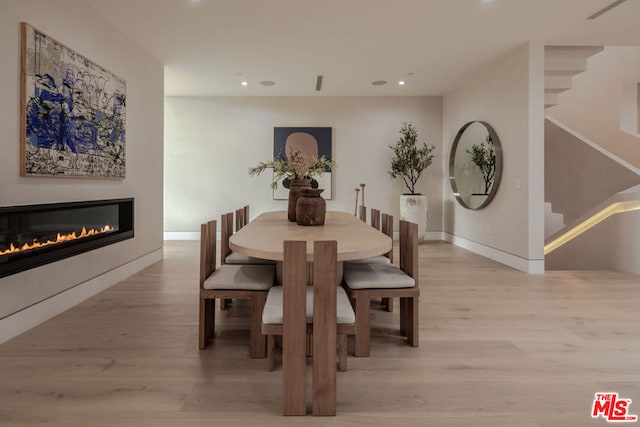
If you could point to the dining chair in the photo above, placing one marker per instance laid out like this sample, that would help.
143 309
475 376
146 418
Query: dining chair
366 281
272 317
386 226
227 256
363 213
242 217
294 311
327 317
230 281
375 218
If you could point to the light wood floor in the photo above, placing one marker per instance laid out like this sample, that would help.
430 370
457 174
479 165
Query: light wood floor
498 348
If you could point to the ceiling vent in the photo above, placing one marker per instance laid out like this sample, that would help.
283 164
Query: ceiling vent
606 9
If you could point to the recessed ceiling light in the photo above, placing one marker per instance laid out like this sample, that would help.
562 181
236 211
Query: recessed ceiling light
267 83
244 83
379 83
401 82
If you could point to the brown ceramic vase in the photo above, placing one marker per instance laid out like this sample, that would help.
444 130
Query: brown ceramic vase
311 207
295 190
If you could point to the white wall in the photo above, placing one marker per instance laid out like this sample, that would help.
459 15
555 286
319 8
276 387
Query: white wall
80 27
611 245
508 94
592 106
588 178
626 255
210 143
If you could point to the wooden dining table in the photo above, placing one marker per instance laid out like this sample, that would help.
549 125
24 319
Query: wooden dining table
264 238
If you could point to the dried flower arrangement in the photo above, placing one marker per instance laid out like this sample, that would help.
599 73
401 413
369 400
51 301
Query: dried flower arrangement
294 166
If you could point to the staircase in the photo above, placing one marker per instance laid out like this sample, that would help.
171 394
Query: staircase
553 222
561 64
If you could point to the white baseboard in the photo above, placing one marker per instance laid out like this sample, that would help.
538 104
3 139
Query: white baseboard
526 265
428 235
181 235
434 235
23 320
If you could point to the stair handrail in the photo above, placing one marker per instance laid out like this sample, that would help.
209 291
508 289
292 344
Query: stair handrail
623 201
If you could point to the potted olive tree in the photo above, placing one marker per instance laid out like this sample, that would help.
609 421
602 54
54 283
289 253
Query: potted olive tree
408 162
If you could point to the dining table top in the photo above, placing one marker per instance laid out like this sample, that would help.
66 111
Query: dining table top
264 236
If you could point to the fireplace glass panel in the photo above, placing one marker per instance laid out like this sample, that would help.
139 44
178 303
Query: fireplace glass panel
37 234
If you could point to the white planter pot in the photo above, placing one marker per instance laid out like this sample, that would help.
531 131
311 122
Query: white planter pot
414 208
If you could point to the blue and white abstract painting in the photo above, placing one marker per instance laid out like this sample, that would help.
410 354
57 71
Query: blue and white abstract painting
73 112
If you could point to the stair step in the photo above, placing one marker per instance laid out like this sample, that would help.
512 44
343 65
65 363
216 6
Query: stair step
561 73
553 91
561 64
576 51
553 222
572 65
550 99
571 59
557 82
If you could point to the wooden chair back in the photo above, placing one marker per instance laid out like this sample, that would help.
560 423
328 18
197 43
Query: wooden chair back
239 218
207 250
242 217
226 231
409 249
294 328
387 228
325 261
363 213
375 218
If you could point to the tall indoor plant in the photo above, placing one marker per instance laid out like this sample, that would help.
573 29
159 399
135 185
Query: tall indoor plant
409 161
298 170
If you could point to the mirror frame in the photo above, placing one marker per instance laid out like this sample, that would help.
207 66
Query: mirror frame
498 174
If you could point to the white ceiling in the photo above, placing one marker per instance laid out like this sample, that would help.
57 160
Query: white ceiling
210 46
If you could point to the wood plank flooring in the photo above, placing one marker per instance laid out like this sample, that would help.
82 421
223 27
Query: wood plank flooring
497 348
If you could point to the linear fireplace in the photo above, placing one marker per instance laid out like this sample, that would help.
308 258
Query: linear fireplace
35 235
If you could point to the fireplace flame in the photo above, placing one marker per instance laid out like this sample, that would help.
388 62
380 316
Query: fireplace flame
60 238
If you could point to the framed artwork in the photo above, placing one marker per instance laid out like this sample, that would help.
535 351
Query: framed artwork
72 112
312 141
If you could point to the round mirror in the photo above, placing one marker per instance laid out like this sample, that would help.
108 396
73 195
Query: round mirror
475 165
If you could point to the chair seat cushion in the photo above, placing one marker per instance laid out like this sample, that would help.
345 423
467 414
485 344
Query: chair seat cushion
242 277
238 258
380 259
273 312
376 276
